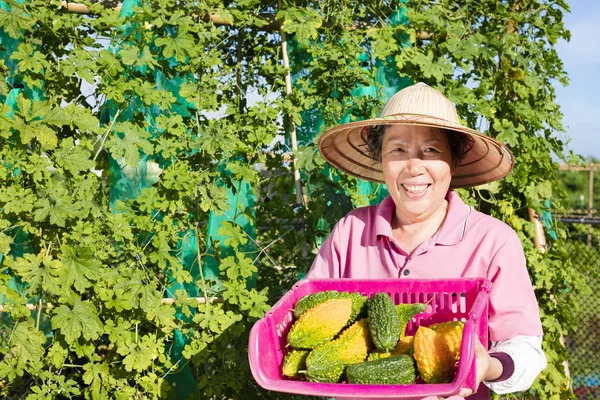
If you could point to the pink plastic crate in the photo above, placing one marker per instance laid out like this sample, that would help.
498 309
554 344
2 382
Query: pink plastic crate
448 300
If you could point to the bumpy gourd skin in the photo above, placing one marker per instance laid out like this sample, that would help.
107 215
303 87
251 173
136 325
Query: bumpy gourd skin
434 361
399 369
320 324
406 312
359 303
451 332
384 322
327 362
293 362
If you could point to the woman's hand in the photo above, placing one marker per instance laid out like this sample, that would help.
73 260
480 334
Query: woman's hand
487 369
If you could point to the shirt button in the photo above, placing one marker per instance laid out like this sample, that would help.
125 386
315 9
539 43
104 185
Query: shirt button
406 272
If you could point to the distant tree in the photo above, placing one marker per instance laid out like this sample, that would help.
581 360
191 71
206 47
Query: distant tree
576 185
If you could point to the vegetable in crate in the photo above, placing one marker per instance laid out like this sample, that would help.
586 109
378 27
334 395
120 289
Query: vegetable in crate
398 370
327 362
404 346
320 324
384 322
359 303
406 312
451 332
434 361
378 355
293 362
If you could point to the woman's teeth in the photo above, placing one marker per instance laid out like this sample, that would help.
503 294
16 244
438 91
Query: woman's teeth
415 188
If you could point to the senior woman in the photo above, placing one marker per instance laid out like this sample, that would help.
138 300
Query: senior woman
423 230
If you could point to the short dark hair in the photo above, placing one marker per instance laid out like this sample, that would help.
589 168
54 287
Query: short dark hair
459 143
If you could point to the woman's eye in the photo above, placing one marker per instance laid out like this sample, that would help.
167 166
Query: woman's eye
431 150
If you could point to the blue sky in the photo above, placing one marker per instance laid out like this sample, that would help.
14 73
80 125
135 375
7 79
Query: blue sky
580 100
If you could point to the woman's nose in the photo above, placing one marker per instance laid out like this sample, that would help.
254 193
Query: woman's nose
415 165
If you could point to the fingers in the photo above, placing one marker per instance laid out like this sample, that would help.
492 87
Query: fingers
466 392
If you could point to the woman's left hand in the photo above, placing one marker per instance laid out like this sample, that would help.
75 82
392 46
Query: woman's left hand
487 368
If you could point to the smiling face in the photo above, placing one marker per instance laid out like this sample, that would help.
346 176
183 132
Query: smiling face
417 167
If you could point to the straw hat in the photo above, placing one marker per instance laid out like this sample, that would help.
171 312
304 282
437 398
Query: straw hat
345 146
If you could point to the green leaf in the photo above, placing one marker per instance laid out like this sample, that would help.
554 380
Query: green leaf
13 20
57 355
29 58
5 243
17 199
309 160
80 321
57 210
82 118
136 292
507 133
181 46
73 158
303 23
139 356
26 342
80 267
161 254
95 375
214 318
133 57
129 143
232 269
233 233
437 69
38 271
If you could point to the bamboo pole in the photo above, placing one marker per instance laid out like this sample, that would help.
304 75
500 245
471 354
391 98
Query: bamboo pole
77 8
300 199
539 241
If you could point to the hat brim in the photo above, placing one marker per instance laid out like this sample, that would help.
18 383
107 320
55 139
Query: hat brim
345 148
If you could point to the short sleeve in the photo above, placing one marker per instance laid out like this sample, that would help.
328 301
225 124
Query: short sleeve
513 306
327 262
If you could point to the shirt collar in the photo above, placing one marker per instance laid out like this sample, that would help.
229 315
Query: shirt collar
383 217
450 233
454 226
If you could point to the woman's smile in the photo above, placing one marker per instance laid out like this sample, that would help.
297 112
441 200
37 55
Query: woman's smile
415 189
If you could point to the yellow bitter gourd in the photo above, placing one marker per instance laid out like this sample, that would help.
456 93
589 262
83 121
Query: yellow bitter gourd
434 361
378 355
320 324
451 332
404 345
359 303
293 362
327 362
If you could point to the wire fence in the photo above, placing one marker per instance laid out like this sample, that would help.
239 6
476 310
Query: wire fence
583 343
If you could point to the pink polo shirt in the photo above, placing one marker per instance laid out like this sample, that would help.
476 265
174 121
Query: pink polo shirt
469 244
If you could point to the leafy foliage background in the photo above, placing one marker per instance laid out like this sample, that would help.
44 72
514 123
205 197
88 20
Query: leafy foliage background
105 265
